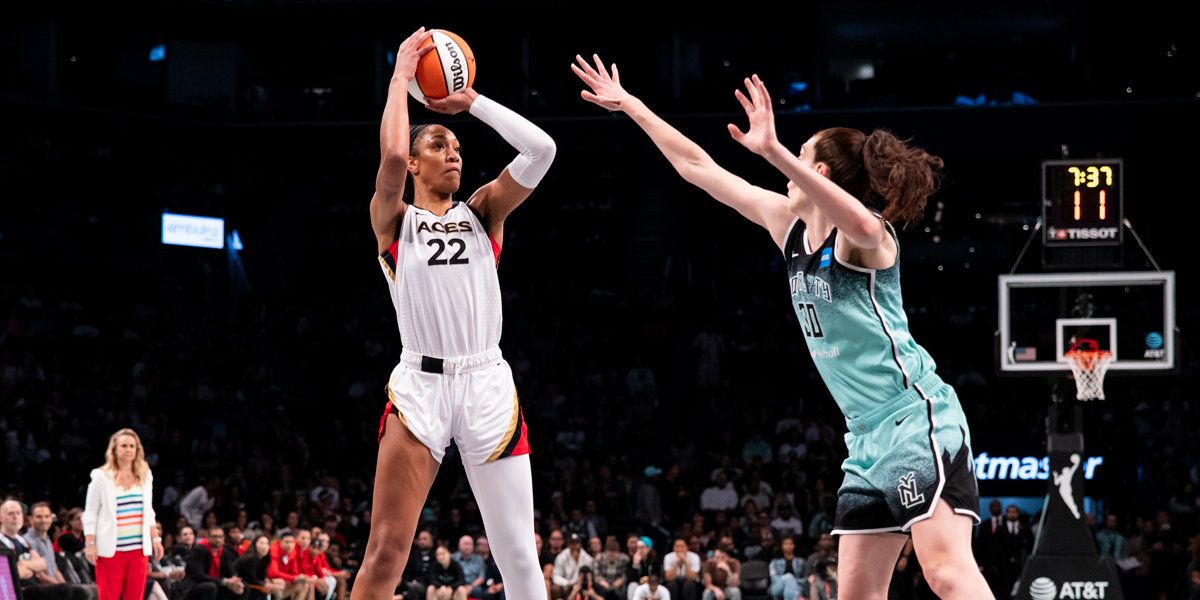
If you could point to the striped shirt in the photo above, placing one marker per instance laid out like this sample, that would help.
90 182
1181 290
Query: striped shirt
129 518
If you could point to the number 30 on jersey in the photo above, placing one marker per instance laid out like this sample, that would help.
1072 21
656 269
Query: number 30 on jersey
807 311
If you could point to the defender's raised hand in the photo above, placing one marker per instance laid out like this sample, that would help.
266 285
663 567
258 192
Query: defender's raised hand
762 120
606 90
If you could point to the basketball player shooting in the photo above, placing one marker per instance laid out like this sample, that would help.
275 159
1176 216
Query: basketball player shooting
909 469
439 258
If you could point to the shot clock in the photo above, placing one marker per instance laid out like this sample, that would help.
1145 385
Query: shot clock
1082 202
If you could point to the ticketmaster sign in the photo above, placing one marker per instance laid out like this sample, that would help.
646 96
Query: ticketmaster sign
187 230
1029 467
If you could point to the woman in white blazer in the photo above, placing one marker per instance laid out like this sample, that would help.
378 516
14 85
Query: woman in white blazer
118 519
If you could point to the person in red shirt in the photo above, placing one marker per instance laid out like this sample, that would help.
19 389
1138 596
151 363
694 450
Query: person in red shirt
335 580
285 565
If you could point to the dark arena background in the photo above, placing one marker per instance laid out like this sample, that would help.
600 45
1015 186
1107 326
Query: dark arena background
648 327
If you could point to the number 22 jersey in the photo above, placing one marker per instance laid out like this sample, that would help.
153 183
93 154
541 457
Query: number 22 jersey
854 322
441 273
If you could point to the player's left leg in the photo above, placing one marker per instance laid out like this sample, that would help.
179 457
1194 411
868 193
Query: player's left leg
943 544
865 564
504 491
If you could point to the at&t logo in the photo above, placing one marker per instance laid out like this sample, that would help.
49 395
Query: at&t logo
1044 588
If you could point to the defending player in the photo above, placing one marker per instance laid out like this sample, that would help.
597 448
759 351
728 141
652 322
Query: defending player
439 257
909 468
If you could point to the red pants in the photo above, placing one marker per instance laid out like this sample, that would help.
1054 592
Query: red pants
122 575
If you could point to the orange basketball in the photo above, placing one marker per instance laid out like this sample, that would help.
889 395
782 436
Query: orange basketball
447 69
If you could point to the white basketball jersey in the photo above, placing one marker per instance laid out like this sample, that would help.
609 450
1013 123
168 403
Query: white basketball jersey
442 276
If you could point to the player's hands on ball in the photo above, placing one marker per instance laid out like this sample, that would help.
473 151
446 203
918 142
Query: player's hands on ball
606 89
454 103
761 135
410 52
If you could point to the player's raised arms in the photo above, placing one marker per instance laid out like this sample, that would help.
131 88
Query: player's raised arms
387 205
766 208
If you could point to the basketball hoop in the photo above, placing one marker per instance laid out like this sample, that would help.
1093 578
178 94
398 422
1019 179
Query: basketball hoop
1088 364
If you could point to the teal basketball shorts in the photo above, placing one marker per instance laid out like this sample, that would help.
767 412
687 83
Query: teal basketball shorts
904 457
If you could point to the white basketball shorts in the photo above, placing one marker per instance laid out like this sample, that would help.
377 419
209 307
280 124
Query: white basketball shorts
471 400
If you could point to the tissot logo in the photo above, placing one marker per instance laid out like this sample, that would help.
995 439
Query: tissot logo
1084 233
1044 588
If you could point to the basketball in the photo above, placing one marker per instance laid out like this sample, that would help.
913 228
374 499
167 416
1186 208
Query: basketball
447 69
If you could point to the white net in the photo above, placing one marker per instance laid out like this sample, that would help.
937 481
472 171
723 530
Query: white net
1089 368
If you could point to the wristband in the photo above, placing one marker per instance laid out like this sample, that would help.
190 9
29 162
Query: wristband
157 539
91 544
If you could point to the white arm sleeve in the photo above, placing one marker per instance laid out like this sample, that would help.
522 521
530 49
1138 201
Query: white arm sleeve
537 149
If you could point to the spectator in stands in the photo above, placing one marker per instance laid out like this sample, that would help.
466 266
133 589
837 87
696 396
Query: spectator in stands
787 524
185 539
452 528
824 548
722 575
651 590
265 525
648 510
639 381
474 571
118 518
305 558
682 572
674 494
595 547
165 571
493 582
252 568
1167 559
72 539
31 565
211 570
576 525
210 520
1109 540
285 565
233 534
609 568
566 567
757 448
721 496
787 573
38 538
794 448
597 523
1013 544
291 523
585 588
413 583
550 553
445 581
330 582
199 501
755 494
823 583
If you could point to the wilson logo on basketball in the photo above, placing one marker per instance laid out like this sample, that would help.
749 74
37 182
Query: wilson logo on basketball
456 67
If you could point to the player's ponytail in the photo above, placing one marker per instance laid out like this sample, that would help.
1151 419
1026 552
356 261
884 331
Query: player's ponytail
884 172
414 134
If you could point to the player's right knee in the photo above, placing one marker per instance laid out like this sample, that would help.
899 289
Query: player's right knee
389 557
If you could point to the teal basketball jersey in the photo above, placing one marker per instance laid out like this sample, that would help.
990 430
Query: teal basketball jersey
855 325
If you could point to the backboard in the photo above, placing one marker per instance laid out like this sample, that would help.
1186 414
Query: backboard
1131 314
